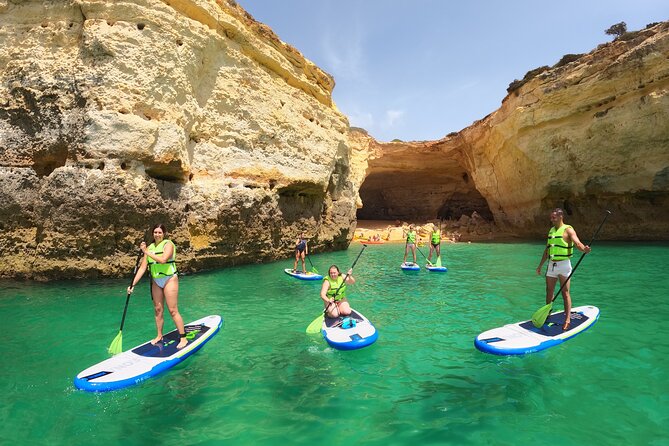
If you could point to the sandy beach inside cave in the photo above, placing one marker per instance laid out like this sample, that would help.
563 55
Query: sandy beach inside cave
466 229
394 231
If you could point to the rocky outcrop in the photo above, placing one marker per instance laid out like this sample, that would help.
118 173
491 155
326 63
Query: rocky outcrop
590 133
116 115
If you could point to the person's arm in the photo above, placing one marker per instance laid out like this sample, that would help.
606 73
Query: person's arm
306 247
324 291
166 255
349 277
576 241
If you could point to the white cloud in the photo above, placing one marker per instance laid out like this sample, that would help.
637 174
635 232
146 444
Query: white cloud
392 117
361 119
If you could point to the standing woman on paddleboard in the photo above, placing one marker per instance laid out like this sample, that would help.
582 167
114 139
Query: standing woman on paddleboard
301 250
435 242
160 258
333 292
559 248
410 244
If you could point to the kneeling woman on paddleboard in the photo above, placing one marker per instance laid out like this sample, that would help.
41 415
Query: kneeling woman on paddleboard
333 292
160 258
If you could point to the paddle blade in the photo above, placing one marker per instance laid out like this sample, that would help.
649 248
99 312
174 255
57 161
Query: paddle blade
314 270
539 317
316 324
116 346
438 264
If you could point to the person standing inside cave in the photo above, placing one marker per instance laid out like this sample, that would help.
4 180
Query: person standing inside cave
301 250
410 244
561 241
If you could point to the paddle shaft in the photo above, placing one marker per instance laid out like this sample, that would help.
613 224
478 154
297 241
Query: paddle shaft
127 299
583 255
421 253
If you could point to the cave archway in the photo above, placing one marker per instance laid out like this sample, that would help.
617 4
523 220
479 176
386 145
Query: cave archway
419 186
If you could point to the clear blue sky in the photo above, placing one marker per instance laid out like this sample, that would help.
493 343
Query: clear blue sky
418 70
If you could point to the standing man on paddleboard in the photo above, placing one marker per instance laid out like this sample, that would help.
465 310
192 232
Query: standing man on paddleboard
559 248
301 250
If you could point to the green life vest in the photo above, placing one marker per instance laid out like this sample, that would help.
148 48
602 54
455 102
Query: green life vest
436 237
334 286
411 237
558 248
168 268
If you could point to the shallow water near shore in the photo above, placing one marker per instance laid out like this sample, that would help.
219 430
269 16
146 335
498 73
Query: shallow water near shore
263 381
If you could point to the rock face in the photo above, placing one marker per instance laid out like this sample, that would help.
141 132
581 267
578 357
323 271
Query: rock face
118 115
589 134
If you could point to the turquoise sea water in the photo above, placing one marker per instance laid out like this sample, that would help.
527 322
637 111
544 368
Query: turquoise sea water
263 381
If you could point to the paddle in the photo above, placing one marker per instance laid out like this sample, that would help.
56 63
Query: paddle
539 317
116 345
421 253
316 324
313 268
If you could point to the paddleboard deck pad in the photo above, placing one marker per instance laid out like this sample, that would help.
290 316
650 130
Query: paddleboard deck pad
147 360
338 336
523 337
303 275
436 269
410 266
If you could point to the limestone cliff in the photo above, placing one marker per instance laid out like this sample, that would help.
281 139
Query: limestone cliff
117 115
588 134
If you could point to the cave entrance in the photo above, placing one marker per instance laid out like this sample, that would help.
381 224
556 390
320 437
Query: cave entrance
420 196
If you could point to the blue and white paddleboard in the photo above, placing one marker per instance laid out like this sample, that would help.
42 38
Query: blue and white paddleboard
358 336
410 266
303 275
436 269
147 360
523 337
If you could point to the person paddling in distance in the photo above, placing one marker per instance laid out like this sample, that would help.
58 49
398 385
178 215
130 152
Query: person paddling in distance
160 258
333 292
410 244
435 243
301 250
559 248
